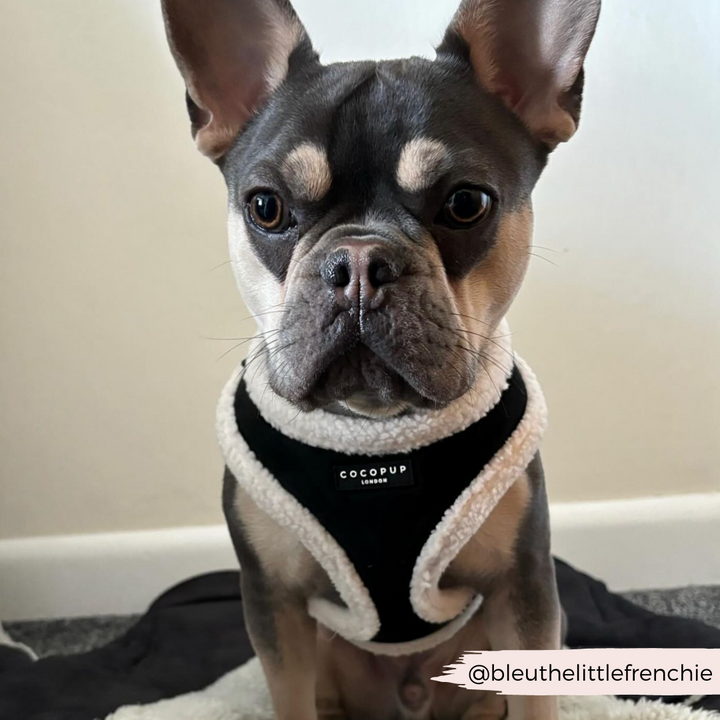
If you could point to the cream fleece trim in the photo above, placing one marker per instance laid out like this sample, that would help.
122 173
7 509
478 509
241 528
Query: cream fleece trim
359 620
471 509
429 641
389 435
7 641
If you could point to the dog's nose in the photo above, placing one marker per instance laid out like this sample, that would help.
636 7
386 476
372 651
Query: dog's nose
357 270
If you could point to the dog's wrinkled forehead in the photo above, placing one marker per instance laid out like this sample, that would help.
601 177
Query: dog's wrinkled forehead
361 138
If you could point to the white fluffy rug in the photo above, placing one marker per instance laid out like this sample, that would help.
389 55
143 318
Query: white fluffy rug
242 695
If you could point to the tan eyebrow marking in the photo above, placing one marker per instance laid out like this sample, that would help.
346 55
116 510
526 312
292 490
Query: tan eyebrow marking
421 163
307 172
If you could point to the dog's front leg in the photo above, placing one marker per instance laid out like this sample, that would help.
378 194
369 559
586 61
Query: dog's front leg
517 619
282 633
523 610
284 638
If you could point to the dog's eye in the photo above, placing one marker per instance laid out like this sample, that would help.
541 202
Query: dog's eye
268 211
466 207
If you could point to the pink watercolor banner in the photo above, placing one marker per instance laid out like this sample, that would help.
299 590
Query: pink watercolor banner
646 671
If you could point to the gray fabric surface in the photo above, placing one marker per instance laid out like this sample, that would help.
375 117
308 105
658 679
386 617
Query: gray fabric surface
696 602
51 637
67 637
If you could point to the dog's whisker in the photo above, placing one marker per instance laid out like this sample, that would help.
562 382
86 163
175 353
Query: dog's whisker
541 247
245 338
240 344
269 311
479 354
234 347
547 260
222 264
457 332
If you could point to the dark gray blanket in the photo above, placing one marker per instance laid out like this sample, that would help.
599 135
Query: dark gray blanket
194 633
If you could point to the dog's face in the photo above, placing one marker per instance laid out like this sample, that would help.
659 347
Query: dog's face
380 213
384 210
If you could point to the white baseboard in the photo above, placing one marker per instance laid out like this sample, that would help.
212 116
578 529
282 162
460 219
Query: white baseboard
643 543
630 544
112 573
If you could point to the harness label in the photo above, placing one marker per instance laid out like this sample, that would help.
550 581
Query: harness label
374 475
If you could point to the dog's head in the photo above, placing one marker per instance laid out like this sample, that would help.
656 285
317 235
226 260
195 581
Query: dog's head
380 213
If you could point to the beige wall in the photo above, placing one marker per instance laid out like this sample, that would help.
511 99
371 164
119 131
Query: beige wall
112 246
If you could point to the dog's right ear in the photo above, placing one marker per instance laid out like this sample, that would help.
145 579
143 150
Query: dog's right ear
232 55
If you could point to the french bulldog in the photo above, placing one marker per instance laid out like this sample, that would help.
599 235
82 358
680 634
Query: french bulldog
380 224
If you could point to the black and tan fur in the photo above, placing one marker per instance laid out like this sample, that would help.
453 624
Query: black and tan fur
365 156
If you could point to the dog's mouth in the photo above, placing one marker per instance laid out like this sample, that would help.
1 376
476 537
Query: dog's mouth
396 361
363 383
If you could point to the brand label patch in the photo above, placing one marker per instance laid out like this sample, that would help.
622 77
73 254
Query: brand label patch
374 475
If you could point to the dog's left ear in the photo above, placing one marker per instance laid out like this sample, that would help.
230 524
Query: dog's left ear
232 54
530 53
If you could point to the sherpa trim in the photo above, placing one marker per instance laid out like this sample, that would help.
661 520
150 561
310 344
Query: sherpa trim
389 435
472 508
7 641
359 621
428 642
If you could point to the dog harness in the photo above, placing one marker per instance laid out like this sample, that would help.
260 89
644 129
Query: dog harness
385 526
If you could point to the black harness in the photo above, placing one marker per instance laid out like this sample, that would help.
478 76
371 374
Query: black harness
382 509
